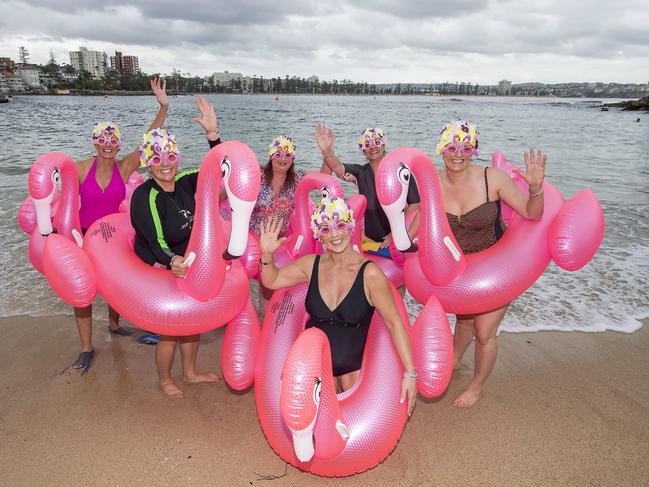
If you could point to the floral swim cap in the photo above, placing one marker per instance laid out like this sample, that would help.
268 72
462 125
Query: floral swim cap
331 211
157 142
282 144
458 131
371 137
106 129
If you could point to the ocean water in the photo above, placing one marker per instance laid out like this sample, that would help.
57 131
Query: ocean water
607 151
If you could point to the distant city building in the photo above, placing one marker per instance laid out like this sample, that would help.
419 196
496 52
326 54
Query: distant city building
313 79
225 77
29 74
246 84
125 65
4 88
116 62
504 88
7 64
131 65
68 74
93 62
15 83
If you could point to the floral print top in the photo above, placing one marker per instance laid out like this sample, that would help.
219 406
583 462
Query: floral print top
269 205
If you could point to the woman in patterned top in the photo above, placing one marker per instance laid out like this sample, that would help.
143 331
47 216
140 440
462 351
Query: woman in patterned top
472 200
279 178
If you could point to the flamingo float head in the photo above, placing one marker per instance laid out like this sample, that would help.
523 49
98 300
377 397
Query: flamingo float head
46 174
307 375
392 181
242 186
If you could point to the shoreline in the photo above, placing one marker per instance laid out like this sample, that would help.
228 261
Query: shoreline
450 96
559 409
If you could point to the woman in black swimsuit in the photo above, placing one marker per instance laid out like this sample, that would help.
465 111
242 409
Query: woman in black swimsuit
343 292
472 197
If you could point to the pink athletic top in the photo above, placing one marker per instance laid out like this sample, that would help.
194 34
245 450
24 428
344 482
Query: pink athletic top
95 203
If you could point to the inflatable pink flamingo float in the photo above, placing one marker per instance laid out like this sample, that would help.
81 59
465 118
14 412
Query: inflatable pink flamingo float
304 420
569 233
54 244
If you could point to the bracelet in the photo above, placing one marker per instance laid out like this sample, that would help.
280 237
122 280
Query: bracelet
408 375
266 263
537 194
330 154
212 133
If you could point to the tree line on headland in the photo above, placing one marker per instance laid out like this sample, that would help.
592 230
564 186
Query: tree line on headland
55 77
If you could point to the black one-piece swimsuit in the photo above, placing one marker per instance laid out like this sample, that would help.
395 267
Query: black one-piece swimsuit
346 326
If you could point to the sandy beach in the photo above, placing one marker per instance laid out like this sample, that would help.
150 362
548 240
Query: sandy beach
560 409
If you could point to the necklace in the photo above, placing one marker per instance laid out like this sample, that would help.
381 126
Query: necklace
187 215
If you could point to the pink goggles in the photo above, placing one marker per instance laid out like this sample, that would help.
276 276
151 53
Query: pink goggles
282 155
455 148
107 140
373 142
327 229
171 158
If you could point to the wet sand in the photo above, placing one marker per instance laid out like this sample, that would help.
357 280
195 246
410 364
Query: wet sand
560 409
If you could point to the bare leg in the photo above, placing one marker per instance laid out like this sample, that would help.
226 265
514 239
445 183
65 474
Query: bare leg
113 318
486 350
83 317
188 352
462 337
348 380
164 359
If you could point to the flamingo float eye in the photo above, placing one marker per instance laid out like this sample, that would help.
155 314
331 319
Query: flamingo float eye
316 390
403 174
324 193
225 168
56 177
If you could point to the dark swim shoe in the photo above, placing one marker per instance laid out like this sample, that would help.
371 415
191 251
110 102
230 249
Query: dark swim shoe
123 332
83 362
149 339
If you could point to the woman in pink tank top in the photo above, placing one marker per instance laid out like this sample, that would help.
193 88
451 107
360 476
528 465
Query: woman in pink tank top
102 188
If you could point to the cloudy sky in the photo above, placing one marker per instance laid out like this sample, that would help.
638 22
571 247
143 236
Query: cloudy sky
378 41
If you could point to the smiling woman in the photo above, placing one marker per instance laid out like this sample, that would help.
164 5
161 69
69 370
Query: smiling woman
102 188
344 290
162 214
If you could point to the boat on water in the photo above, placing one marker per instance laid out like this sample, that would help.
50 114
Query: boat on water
4 98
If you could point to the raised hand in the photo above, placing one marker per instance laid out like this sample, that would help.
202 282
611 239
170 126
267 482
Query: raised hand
160 91
534 170
325 138
268 239
208 120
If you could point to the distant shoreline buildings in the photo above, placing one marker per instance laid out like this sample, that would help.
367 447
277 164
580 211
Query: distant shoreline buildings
96 72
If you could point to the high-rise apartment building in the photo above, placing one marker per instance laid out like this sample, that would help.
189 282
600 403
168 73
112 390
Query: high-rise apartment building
504 88
93 62
126 65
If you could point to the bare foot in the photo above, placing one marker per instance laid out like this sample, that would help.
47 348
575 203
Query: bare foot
468 398
194 378
171 389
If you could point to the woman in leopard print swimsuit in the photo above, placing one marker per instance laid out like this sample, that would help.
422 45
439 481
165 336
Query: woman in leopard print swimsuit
472 197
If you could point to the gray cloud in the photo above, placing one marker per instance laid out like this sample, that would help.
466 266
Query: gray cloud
340 39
